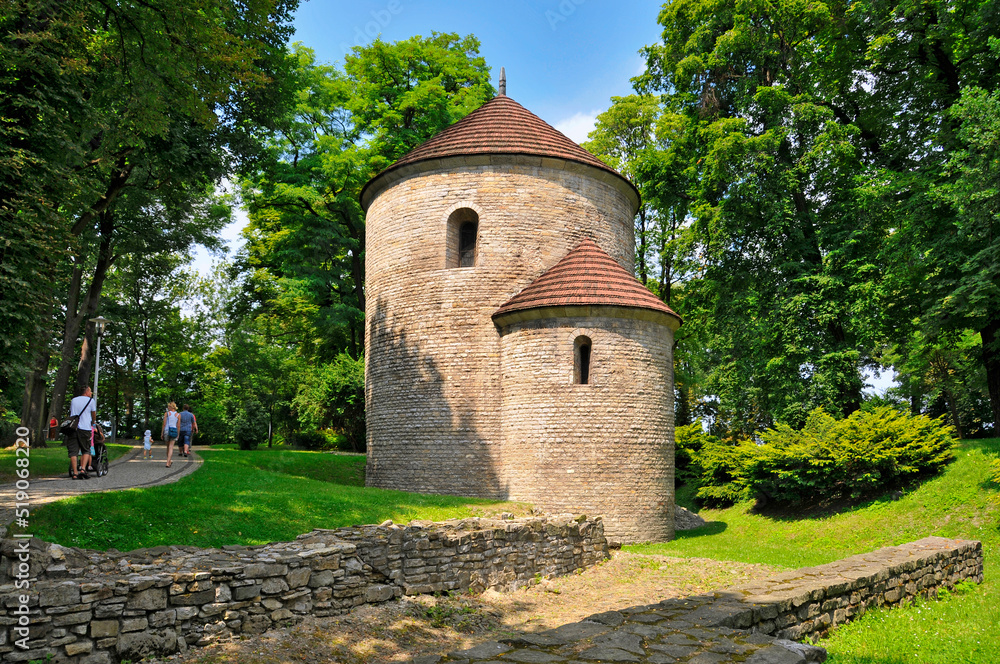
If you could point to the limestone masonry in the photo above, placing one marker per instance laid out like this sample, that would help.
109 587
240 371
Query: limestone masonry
91 607
750 624
510 353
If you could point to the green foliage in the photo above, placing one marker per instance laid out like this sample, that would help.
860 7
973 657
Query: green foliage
689 442
995 477
319 440
870 451
818 221
244 497
250 425
333 396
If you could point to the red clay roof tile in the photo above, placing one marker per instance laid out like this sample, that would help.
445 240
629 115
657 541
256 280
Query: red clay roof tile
587 275
501 126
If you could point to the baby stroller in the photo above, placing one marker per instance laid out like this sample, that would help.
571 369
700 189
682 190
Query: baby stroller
99 460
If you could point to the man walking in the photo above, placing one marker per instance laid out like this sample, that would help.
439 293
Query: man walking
78 443
188 422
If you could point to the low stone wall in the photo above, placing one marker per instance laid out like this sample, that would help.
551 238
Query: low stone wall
90 607
811 600
751 624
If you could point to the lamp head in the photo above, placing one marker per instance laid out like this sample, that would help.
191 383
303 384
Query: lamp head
99 324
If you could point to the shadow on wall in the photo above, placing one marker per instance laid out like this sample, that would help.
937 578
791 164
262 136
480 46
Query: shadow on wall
421 439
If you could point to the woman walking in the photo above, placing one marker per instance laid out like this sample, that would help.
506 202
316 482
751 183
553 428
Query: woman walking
170 429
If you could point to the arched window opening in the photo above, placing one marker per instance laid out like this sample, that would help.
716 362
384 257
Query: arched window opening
581 360
467 244
462 239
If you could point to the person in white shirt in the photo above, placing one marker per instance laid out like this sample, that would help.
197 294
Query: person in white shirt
78 444
169 433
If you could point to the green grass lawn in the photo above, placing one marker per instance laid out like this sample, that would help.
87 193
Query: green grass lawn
45 462
960 503
241 497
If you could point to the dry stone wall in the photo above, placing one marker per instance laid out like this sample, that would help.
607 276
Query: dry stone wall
751 624
90 607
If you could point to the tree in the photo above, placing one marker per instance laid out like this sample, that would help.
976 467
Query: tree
771 192
820 136
148 106
971 290
305 242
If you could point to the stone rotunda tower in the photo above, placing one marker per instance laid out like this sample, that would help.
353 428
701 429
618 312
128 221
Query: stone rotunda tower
510 353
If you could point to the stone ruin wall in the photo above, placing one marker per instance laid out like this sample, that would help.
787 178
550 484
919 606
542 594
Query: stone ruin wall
90 607
750 624
433 353
603 448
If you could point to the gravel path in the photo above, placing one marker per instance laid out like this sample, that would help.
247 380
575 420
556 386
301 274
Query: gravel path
129 471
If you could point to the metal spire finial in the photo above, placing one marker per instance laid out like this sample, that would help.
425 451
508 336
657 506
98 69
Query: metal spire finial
503 82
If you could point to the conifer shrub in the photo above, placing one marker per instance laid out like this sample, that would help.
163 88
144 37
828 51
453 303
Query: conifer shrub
864 454
250 426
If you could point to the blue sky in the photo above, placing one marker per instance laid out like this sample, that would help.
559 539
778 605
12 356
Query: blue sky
565 59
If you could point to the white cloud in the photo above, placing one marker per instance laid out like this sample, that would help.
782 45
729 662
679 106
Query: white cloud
578 126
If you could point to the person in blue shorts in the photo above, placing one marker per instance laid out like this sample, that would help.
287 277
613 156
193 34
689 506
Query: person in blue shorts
189 425
169 433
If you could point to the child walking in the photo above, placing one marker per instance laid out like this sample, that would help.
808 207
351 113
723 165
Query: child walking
147 445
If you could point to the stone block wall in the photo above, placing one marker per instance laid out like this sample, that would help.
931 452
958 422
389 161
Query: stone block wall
812 600
750 624
91 607
432 351
602 448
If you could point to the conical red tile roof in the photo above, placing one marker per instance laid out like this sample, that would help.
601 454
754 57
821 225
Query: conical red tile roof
500 126
587 275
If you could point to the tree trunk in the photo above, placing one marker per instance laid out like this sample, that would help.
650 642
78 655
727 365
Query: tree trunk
643 244
990 335
33 406
75 316
86 358
71 331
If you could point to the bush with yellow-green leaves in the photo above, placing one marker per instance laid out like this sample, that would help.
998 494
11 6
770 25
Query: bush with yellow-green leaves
862 455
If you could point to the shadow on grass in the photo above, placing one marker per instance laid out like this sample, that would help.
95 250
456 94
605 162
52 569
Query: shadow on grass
710 528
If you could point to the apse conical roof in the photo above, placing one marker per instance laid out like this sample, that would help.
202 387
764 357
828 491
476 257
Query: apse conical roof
501 126
587 275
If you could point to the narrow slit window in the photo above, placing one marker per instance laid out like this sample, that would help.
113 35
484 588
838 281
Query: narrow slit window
581 360
467 244
462 238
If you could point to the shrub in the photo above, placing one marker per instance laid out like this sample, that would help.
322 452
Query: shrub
869 452
323 440
688 442
250 425
333 395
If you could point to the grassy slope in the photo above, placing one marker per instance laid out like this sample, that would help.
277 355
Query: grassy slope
961 503
243 498
46 462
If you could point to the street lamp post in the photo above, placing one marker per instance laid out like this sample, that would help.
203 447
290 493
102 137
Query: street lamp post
99 324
